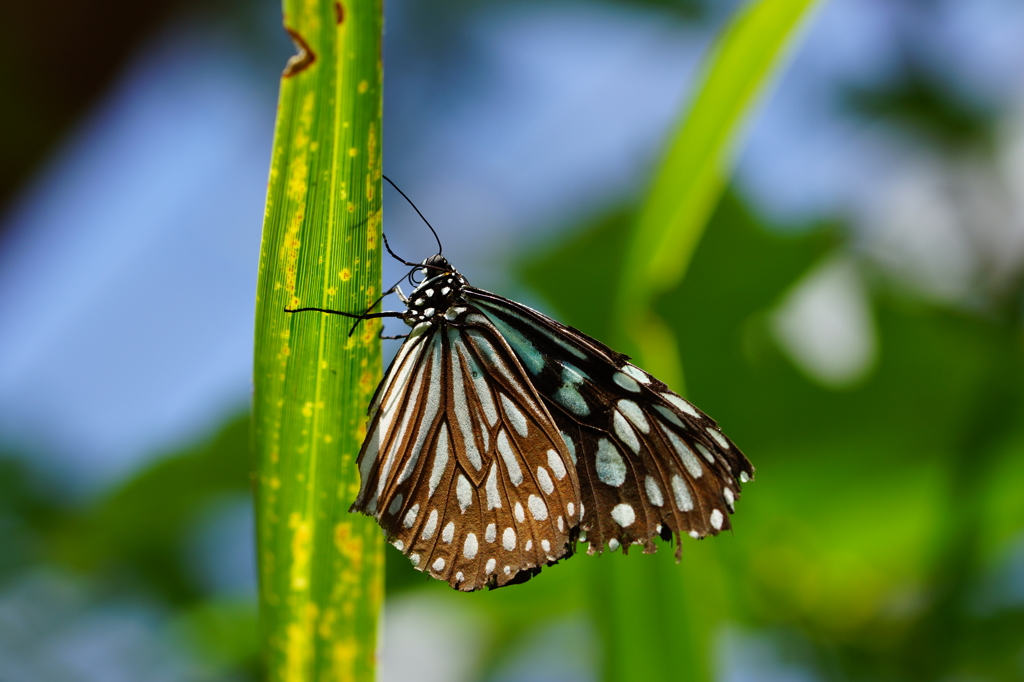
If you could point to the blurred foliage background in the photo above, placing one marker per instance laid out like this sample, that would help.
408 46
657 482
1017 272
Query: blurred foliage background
851 316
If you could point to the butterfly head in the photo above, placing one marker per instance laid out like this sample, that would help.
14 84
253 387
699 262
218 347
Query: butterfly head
439 292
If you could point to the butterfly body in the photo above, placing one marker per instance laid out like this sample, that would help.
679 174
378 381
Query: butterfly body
499 437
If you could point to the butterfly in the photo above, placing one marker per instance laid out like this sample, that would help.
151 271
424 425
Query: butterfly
499 438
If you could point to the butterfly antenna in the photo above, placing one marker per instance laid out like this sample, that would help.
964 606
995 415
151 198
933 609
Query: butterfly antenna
436 238
396 256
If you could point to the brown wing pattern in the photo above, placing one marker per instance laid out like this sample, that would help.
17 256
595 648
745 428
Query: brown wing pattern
464 467
650 464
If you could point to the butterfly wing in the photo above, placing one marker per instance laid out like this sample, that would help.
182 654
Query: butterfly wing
463 467
650 463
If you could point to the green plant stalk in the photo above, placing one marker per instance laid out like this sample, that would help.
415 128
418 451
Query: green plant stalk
690 181
675 638
320 568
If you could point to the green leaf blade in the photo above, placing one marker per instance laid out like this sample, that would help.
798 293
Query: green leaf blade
320 568
693 173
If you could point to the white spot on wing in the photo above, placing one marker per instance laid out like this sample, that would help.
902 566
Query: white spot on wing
634 414
556 464
469 549
439 564
627 382
682 493
415 559
520 514
515 474
396 504
493 498
705 453
744 477
545 545
399 545
613 544
571 508
440 459
654 491
610 467
637 373
515 416
681 404
462 414
431 525
690 461
625 432
669 415
546 484
570 445
623 515
716 519
464 493
491 533
448 534
483 391
410 516
508 539
730 499
538 509
719 438
491 563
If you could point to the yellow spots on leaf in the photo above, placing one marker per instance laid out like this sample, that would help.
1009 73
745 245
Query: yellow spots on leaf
363 86
328 438
314 145
307 410
351 207
350 545
286 333
352 151
275 483
372 163
366 382
345 275
361 432
371 328
296 652
285 350
331 291
343 659
323 364
373 229
301 551
298 649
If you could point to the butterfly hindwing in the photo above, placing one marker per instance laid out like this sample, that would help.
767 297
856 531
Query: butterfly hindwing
649 462
463 467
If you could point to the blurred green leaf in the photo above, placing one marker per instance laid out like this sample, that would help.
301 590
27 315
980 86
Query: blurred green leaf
320 568
689 182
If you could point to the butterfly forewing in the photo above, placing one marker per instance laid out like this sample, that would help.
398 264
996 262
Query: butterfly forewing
464 468
649 462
